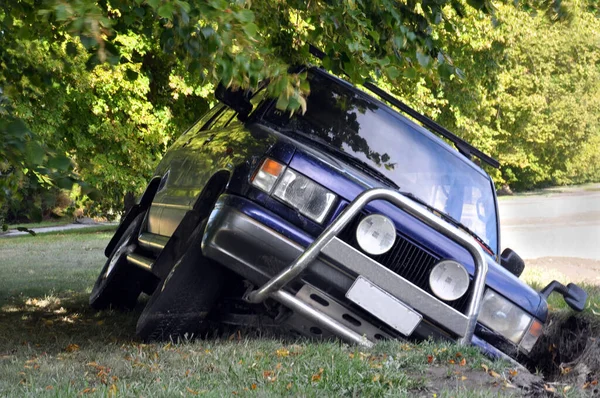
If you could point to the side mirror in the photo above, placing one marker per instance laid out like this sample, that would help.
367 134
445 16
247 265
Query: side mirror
574 296
510 260
238 100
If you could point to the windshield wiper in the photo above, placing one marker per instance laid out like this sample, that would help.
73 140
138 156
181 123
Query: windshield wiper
448 218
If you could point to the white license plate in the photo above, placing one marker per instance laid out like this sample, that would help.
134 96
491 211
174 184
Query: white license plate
383 306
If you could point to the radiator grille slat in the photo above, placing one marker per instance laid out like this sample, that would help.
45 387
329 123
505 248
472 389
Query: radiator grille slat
406 259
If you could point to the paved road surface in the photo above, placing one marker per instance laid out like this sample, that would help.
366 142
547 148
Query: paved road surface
55 229
554 224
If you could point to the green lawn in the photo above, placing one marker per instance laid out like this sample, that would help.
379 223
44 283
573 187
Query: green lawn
53 344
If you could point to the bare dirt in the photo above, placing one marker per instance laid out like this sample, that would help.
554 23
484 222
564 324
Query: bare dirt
574 269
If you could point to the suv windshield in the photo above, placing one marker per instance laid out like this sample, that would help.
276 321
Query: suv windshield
402 151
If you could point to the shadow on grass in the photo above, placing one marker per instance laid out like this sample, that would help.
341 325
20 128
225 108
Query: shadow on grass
51 324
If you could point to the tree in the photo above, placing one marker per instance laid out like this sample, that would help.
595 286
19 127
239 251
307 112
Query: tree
138 64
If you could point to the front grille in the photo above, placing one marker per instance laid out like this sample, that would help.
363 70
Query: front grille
406 259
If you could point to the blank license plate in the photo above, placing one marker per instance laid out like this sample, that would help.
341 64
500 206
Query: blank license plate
383 306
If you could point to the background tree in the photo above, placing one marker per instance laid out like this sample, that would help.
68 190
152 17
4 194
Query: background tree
111 83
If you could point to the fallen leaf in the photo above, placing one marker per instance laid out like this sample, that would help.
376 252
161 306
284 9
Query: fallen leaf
463 378
317 376
351 355
494 374
429 358
484 366
567 388
282 352
48 388
100 322
463 362
376 378
289 386
253 386
267 373
594 382
586 385
72 348
513 372
549 389
458 355
451 361
191 391
565 371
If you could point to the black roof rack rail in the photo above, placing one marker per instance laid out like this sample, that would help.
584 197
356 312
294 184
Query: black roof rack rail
463 146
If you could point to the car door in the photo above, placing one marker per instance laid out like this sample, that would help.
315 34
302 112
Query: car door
187 172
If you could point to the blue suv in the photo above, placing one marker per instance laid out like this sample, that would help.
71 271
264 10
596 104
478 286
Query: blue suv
347 220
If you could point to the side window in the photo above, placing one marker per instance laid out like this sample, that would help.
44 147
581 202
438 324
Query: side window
204 120
222 120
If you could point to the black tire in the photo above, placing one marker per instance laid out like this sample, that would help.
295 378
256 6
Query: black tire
119 283
183 299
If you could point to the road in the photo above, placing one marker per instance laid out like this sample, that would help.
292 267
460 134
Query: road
559 228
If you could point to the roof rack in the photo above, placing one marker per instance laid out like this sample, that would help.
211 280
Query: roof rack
463 146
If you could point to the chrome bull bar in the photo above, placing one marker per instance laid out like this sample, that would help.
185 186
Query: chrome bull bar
273 286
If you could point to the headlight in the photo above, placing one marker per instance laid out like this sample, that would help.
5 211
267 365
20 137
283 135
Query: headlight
503 317
449 280
376 234
308 197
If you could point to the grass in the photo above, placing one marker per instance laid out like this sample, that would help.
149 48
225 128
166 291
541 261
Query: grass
53 344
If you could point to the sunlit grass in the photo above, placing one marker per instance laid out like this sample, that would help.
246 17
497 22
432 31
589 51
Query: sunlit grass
53 344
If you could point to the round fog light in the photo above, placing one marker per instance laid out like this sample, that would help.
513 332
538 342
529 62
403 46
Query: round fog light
449 280
376 234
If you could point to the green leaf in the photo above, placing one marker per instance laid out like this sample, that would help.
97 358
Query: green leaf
64 183
153 3
245 16
411 73
251 29
166 11
185 6
423 59
17 129
392 72
282 103
61 11
59 162
35 153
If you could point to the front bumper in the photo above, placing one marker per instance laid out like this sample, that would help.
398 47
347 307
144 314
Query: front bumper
259 245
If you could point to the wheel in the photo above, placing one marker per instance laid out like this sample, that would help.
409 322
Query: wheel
182 300
120 283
